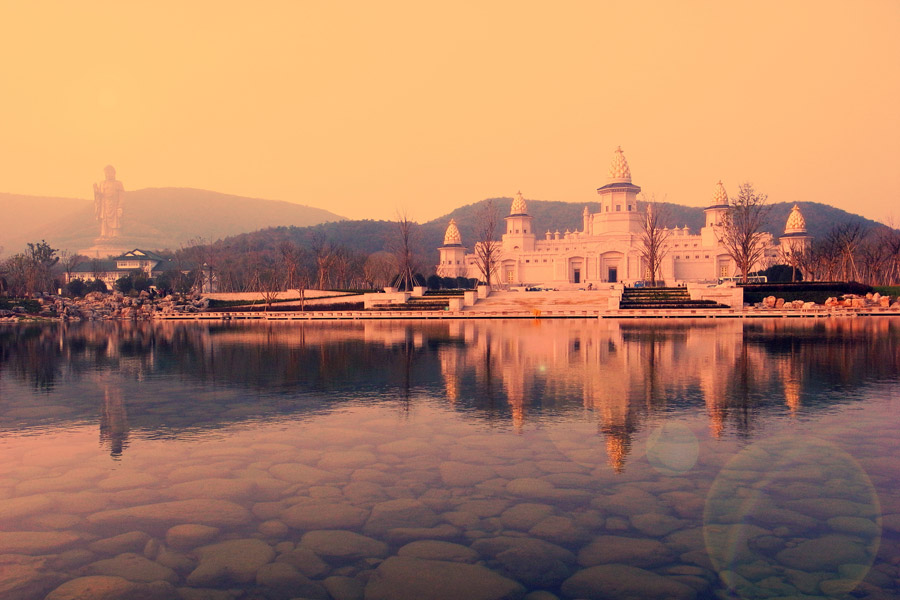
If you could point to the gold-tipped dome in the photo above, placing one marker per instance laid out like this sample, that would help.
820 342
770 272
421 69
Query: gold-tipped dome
452 237
618 170
720 197
518 205
795 222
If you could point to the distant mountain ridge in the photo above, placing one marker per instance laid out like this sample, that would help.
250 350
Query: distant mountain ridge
371 236
153 218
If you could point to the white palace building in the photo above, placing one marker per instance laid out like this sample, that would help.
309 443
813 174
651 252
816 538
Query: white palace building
608 247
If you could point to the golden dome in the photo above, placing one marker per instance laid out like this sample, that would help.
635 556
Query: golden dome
518 205
795 222
618 170
452 237
720 197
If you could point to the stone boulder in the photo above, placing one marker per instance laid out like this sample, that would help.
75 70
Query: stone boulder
399 513
101 587
234 561
341 545
612 582
403 578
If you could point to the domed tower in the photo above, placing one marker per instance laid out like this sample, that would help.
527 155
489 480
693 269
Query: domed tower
715 216
453 254
618 200
519 234
795 240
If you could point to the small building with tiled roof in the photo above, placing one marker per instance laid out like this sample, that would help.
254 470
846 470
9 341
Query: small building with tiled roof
108 270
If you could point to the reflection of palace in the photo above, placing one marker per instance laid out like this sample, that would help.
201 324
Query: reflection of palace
623 372
618 374
608 246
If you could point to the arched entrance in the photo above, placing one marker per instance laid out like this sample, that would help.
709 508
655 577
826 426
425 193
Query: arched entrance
612 267
576 269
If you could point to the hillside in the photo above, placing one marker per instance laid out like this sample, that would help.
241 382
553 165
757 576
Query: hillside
370 236
154 218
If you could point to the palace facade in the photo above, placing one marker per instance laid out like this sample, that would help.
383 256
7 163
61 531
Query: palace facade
608 247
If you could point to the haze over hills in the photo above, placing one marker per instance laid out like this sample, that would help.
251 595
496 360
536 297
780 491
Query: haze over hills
154 218
161 218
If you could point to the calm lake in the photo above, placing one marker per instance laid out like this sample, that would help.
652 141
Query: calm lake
394 460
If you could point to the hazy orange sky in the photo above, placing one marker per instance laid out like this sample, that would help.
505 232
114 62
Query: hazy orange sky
366 107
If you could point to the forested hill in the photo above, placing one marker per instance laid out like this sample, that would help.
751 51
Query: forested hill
369 236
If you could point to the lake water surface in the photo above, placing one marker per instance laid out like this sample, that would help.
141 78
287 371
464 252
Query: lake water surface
392 460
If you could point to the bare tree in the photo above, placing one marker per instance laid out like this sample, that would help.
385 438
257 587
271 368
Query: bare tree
741 232
323 253
847 238
269 285
793 256
487 247
69 262
404 247
379 268
199 251
654 237
890 238
873 256
292 257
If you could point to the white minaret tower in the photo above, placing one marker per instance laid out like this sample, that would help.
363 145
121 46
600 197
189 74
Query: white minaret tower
618 200
795 239
715 215
453 254
519 234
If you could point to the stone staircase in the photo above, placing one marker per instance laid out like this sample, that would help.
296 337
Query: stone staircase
663 298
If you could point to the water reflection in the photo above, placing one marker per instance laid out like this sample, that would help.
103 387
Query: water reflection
515 374
656 459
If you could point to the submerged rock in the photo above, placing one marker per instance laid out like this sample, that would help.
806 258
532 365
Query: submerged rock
234 561
132 567
25 577
36 542
216 513
133 541
100 587
826 553
641 552
526 515
624 582
324 516
190 535
343 545
403 578
533 567
289 582
306 561
395 514
438 550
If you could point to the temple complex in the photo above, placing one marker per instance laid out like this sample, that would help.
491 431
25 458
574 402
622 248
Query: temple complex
608 247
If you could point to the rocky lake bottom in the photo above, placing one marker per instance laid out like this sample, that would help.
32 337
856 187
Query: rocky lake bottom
196 487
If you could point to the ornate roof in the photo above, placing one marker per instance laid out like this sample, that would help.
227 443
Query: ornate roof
720 197
518 205
795 221
618 169
452 237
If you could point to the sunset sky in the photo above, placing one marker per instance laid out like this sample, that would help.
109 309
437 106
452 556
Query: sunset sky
364 108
